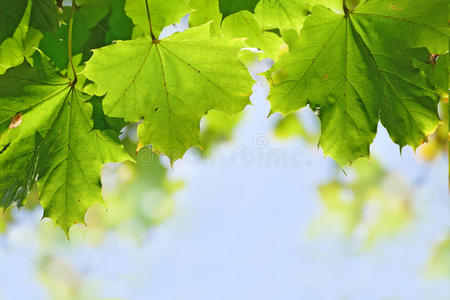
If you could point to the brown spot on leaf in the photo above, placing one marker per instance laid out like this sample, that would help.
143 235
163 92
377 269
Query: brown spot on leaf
16 121
395 7
325 76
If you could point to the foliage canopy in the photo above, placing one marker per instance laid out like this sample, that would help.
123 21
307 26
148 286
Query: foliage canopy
62 105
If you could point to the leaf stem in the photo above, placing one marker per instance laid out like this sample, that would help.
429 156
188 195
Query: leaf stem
346 10
154 39
75 78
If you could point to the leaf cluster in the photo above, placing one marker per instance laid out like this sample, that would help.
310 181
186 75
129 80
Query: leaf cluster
72 77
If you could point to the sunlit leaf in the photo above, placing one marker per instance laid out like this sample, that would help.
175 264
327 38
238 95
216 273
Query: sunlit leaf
243 24
171 84
162 14
55 143
357 67
282 14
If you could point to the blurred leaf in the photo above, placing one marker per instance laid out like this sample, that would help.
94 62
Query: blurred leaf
142 196
291 126
439 265
219 127
375 204
437 143
5 219
64 281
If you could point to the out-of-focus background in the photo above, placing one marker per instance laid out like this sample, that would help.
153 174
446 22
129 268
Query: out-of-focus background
256 212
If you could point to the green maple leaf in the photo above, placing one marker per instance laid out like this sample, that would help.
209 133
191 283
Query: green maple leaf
437 72
54 142
291 126
20 22
87 14
345 202
243 25
171 84
282 14
440 259
205 11
335 5
21 45
44 15
119 25
163 13
229 7
11 13
115 26
218 128
357 67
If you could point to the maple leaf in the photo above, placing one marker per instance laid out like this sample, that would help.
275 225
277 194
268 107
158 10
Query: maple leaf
44 15
228 7
356 66
21 23
21 44
244 25
87 14
218 128
170 84
205 11
163 13
437 71
440 259
55 143
346 201
282 14
11 13
119 25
